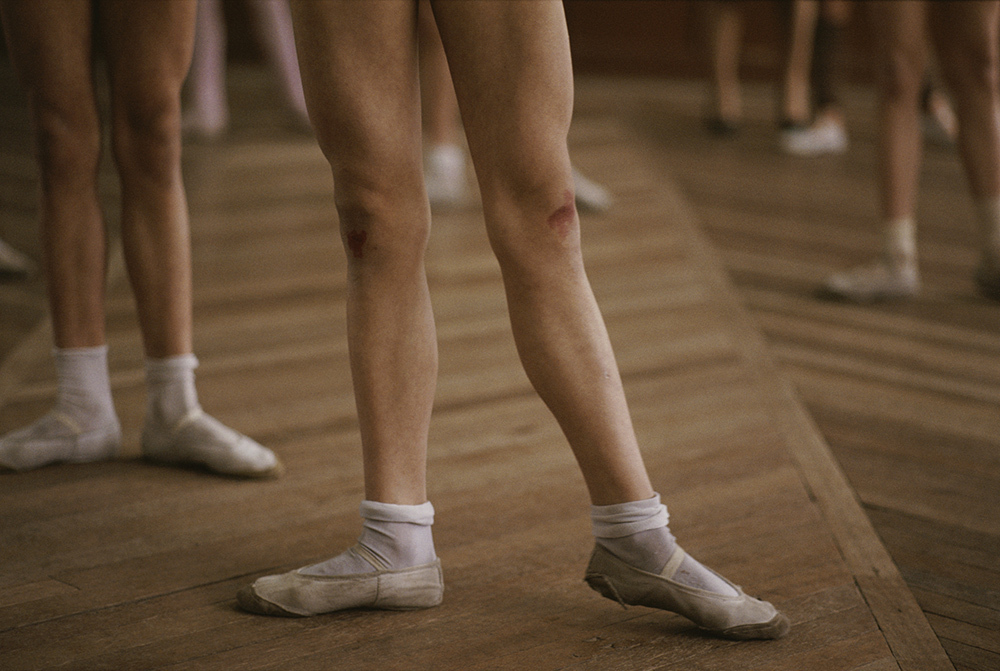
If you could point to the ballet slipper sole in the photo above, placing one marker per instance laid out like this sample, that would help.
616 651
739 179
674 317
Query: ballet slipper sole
295 594
739 617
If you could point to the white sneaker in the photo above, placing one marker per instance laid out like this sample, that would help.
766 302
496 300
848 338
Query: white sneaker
590 196
444 175
826 136
13 261
875 282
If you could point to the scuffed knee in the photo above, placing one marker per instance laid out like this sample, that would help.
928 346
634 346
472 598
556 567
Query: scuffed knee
377 234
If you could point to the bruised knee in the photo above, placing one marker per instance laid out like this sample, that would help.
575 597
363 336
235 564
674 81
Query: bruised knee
564 220
375 232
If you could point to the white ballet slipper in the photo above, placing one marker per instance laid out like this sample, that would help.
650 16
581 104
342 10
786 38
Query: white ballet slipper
738 617
56 438
203 440
298 594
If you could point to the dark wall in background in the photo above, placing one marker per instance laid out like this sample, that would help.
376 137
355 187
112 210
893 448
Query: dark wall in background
638 37
667 38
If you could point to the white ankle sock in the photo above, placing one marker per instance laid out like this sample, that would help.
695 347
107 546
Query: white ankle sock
171 394
901 244
82 425
397 536
637 533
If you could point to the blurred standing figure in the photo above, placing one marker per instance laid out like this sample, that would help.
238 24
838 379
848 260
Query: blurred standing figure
965 35
724 29
207 113
812 78
147 50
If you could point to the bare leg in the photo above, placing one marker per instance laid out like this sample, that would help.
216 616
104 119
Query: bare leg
49 43
444 156
967 44
826 133
901 58
525 177
149 50
274 25
208 111
366 113
795 102
725 38
966 41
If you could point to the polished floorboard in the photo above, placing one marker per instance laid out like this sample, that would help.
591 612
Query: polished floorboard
125 565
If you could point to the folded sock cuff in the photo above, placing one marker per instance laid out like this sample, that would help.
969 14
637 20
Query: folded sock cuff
624 519
169 367
377 511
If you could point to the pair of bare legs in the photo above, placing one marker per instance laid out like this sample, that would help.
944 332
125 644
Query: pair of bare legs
724 29
965 35
207 115
510 63
147 49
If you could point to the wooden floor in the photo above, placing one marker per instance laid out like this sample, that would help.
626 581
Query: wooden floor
124 565
905 394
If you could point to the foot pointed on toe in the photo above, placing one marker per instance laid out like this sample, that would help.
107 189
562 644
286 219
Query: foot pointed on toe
298 594
202 440
740 617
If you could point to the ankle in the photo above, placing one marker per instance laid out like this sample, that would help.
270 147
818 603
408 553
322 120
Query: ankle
171 390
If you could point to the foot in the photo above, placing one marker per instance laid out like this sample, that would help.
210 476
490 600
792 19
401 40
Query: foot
590 196
721 127
988 277
202 126
301 594
202 440
825 136
14 262
735 615
56 438
444 175
876 282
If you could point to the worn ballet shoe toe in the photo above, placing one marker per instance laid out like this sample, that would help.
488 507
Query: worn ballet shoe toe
298 594
739 617
200 439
